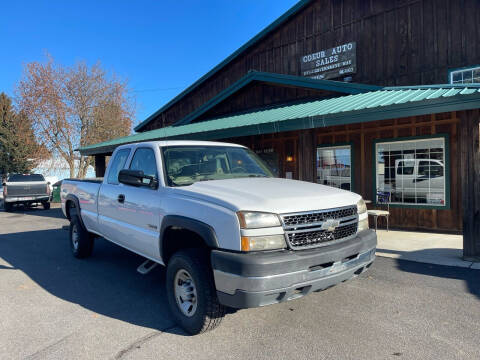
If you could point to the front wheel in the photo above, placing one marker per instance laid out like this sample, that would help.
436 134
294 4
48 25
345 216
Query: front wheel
7 206
191 292
46 205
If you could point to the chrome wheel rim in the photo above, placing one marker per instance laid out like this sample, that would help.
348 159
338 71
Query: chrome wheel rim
75 237
185 292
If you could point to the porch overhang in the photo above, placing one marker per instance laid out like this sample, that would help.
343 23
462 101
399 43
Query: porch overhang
388 103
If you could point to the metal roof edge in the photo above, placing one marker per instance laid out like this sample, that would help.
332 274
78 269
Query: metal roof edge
351 117
280 20
433 86
328 85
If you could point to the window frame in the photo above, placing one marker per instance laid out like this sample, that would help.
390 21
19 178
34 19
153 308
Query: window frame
446 139
352 157
130 162
465 68
113 159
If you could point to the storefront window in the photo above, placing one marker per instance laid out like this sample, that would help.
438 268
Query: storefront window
412 171
334 166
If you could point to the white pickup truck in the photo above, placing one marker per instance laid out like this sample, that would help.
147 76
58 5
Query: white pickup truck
230 234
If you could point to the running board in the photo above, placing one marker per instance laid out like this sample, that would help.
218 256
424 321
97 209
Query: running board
146 267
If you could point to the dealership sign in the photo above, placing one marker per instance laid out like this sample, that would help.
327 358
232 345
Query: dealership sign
331 63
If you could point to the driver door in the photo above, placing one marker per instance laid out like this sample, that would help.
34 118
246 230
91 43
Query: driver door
141 207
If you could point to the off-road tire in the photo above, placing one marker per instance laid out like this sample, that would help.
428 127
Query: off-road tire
84 239
46 205
209 312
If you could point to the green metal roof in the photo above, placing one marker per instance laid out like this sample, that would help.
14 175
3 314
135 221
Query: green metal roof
292 11
388 103
281 79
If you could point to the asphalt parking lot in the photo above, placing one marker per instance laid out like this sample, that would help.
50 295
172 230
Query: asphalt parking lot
53 306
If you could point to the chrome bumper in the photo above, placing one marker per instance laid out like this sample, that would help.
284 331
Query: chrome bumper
35 198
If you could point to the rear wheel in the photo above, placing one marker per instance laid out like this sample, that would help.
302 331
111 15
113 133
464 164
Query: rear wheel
46 205
191 292
7 206
81 241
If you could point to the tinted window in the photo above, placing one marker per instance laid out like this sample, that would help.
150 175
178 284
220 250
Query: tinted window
117 164
25 177
144 160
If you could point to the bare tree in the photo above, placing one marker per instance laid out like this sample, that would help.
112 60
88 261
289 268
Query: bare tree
71 107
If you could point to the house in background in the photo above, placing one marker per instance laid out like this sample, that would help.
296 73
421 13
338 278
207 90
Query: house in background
55 169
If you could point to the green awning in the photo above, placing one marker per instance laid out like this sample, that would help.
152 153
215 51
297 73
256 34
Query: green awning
388 103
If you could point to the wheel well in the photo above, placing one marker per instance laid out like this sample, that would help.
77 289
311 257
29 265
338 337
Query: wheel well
175 238
69 204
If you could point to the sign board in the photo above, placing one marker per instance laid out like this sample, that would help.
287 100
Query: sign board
331 63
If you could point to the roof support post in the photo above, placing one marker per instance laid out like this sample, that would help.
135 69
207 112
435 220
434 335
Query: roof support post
306 155
470 179
99 165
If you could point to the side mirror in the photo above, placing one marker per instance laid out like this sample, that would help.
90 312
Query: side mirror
137 178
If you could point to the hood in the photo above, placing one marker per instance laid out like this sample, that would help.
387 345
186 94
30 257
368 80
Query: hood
273 195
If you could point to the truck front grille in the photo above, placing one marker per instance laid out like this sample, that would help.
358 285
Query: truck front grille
310 229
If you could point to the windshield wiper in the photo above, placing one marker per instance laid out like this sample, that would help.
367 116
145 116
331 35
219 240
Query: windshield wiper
257 175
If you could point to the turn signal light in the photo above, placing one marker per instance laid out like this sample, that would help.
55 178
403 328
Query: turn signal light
266 242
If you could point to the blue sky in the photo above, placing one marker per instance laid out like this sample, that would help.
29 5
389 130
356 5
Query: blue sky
161 47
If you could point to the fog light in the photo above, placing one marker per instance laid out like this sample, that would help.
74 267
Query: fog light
363 225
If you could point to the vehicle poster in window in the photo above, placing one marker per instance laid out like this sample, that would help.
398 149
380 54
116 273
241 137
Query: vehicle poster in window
412 171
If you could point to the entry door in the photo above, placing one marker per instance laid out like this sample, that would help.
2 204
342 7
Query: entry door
141 207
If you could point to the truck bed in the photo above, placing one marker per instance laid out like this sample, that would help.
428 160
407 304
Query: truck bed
86 192
97 180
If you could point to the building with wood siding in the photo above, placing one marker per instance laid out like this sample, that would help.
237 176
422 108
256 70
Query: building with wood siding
372 96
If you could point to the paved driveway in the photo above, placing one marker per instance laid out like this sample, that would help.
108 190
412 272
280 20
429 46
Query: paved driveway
53 306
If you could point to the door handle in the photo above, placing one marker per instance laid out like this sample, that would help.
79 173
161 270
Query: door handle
121 198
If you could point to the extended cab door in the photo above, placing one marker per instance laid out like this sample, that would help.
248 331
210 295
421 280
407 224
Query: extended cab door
137 211
108 206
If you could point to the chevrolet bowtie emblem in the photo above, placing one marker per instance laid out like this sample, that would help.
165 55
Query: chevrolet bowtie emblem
330 224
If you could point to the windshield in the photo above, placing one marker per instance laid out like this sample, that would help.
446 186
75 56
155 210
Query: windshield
186 165
25 177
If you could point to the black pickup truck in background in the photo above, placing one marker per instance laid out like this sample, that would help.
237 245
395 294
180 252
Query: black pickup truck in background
27 190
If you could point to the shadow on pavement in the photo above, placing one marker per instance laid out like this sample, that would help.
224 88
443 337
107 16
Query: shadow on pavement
471 277
39 211
106 283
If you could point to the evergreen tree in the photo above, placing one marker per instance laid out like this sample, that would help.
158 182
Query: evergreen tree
19 151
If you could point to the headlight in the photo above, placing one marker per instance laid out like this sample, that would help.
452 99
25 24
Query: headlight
255 220
266 242
363 225
361 207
